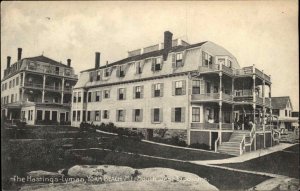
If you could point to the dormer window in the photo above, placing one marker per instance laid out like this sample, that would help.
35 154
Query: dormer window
207 59
107 72
156 64
178 60
138 68
98 75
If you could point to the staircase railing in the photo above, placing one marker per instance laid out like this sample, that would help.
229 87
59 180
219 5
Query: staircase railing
216 144
242 145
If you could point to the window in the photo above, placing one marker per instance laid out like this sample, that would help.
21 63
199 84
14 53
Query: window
178 60
74 97
285 112
229 64
97 115
156 64
156 115
177 114
107 72
289 113
178 88
137 115
195 114
13 84
121 71
17 81
78 115
207 59
105 114
16 97
138 68
98 75
30 115
9 84
5 86
74 116
106 94
54 115
121 115
121 95
79 97
91 76
12 98
157 90
84 97
196 86
138 92
98 94
88 116
89 96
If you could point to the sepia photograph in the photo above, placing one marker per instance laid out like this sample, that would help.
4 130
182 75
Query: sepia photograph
150 95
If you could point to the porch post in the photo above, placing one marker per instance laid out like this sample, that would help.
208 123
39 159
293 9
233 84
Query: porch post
232 88
232 116
43 92
264 109
220 108
23 81
254 105
62 90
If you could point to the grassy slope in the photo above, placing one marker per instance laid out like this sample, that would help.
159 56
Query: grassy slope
281 162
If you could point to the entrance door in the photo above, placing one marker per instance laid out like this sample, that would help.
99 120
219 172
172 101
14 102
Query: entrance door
54 115
207 87
62 117
214 137
47 115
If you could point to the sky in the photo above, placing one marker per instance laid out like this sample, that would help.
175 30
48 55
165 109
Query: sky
264 33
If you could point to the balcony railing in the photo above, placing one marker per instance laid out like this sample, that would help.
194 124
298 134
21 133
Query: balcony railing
205 97
211 126
249 71
50 87
259 100
227 97
49 71
267 102
33 85
215 68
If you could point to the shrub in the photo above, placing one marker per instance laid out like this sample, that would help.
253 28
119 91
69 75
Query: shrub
199 146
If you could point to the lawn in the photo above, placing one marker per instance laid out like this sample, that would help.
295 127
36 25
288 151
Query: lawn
284 162
221 178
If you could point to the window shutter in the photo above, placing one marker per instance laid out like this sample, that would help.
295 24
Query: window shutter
203 58
152 90
124 93
100 95
190 82
118 93
141 115
91 76
183 57
142 91
108 93
173 60
136 67
183 114
124 111
95 76
92 115
153 64
117 111
202 86
118 71
100 115
133 93
161 90
93 96
101 74
172 114
213 60
133 115
173 88
160 115
183 87
152 115
107 114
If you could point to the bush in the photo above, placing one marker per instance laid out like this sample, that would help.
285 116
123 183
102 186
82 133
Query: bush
199 146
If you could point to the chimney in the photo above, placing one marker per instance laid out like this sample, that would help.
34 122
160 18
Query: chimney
19 53
69 62
8 62
167 44
97 60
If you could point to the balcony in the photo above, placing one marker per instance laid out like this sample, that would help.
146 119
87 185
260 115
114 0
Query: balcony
215 68
211 97
33 85
211 126
51 72
47 87
53 88
248 71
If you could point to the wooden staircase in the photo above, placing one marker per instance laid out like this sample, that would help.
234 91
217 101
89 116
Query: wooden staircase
232 147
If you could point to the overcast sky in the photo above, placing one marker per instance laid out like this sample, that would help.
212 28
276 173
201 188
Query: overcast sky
264 33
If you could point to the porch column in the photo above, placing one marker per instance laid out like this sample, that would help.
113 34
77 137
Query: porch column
220 121
232 88
44 84
264 109
62 90
220 104
23 82
254 104
232 116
